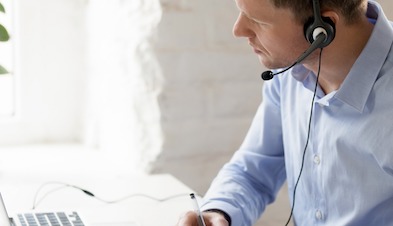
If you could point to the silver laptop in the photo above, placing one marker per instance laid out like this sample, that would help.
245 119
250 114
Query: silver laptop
39 218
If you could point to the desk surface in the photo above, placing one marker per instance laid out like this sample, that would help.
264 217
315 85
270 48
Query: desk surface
19 189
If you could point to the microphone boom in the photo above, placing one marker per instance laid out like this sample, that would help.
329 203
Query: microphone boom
267 75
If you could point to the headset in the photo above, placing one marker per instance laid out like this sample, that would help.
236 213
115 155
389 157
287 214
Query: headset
317 24
319 32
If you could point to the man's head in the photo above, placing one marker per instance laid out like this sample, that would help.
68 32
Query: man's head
303 10
275 28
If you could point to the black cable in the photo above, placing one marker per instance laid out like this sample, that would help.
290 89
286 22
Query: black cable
308 137
63 185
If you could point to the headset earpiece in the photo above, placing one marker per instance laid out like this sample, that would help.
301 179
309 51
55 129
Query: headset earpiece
327 27
318 24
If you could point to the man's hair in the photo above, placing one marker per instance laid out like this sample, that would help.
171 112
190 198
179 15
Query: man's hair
303 9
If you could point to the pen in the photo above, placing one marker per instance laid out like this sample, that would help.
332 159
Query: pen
201 222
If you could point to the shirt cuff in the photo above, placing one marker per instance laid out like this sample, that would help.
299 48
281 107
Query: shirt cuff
226 216
233 213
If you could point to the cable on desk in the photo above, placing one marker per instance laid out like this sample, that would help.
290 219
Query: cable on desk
63 185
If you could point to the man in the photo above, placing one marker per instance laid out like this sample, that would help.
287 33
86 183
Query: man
333 143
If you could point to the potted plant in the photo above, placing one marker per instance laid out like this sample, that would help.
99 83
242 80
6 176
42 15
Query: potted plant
4 36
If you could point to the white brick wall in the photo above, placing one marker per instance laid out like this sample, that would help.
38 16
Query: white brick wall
211 88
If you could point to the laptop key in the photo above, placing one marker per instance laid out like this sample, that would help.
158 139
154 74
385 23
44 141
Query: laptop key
52 219
64 219
31 221
22 220
42 219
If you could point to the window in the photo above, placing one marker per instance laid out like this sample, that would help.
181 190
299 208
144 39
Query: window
82 79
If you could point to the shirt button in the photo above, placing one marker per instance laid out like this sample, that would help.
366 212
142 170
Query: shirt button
318 215
317 160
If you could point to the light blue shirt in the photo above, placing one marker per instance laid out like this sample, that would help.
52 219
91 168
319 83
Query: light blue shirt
348 169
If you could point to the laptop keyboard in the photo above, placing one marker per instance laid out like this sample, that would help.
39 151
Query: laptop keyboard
50 219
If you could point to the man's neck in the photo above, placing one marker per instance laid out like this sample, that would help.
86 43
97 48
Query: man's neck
340 56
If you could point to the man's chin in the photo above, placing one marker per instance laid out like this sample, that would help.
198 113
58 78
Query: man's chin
265 62
269 65
272 65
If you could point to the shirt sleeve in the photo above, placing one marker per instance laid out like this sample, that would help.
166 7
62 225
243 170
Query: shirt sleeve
252 178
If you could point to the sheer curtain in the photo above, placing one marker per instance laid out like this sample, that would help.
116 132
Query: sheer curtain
124 79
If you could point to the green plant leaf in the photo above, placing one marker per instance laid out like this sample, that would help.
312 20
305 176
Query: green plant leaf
3 70
4 36
2 8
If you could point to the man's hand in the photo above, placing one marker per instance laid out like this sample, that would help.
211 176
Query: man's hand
211 219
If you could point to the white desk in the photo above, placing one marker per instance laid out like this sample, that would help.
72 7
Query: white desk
18 191
24 169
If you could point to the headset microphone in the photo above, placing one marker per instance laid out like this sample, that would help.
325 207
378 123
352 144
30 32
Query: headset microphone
320 38
318 30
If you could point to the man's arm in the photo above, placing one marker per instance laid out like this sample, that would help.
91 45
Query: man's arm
251 180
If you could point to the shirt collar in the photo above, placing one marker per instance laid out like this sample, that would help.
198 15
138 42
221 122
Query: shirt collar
358 84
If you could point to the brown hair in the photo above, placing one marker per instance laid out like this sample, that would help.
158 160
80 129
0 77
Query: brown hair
303 9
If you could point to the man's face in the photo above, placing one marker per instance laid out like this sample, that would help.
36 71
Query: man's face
273 33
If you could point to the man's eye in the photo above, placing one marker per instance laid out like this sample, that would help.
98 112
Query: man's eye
257 22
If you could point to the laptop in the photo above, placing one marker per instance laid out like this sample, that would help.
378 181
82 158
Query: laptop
39 218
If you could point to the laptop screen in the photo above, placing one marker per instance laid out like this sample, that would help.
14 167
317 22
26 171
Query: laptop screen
4 219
